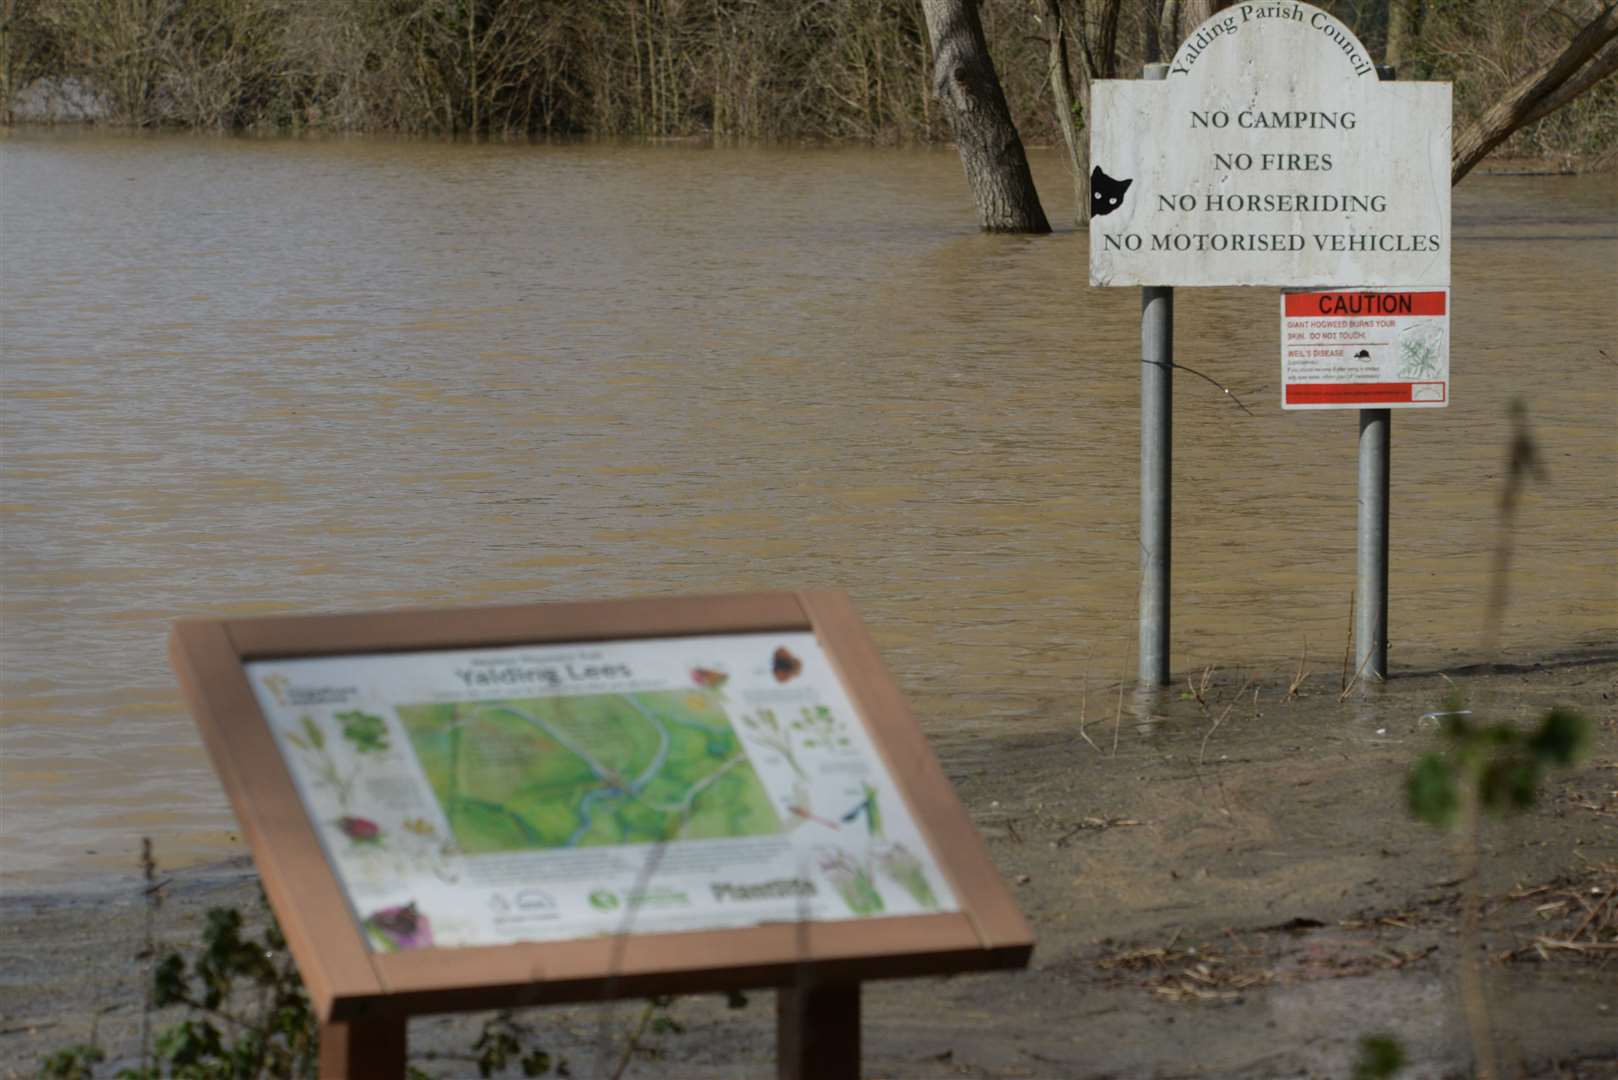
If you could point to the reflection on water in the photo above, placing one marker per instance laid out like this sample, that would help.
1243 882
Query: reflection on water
258 376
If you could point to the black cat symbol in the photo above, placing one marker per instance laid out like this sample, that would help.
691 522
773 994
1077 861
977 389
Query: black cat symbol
1106 194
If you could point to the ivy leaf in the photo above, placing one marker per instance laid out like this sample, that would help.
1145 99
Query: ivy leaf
168 982
536 1063
75 1062
1380 1057
1431 790
1561 736
189 1043
1509 783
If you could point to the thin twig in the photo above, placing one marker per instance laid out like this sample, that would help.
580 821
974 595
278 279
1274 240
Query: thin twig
1234 698
1303 672
1574 936
1348 646
1227 390
1355 680
634 1040
1118 718
1084 708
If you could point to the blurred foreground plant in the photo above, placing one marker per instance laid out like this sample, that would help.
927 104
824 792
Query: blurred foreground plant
1485 767
1495 766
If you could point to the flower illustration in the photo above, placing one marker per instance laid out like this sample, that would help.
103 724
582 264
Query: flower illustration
360 830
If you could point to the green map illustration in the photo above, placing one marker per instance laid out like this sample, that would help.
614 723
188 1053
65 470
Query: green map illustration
559 772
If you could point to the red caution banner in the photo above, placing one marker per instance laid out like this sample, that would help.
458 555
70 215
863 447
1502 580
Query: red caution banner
1355 303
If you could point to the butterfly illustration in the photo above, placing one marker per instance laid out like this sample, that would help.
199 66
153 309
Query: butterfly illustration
709 678
1106 194
784 666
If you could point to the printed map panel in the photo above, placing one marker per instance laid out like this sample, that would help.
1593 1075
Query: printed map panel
588 770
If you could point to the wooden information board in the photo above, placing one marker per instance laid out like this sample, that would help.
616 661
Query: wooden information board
493 807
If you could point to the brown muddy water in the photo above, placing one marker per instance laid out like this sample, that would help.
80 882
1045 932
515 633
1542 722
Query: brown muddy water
260 376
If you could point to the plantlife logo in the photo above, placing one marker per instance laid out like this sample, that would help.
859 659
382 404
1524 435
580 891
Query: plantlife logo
604 900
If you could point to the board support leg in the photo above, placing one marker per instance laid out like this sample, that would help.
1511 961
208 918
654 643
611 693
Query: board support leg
817 1032
368 1049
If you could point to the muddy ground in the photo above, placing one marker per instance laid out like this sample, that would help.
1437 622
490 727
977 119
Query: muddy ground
1219 889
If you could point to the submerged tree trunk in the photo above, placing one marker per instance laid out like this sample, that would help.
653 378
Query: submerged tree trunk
1586 61
965 83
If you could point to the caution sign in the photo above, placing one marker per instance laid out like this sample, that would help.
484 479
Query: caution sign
1365 349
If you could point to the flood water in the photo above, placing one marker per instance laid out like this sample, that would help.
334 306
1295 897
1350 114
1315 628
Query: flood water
245 377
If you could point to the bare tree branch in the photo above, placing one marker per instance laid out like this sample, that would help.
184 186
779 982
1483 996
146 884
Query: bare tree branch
1602 65
1532 93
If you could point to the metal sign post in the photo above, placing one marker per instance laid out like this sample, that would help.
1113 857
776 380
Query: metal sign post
1156 467
1371 562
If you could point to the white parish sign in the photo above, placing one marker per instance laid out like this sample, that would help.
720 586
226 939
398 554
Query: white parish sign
1270 154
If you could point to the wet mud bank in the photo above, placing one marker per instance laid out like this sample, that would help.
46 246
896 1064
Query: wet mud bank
1220 887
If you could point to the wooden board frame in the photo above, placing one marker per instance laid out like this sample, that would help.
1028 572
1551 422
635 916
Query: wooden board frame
347 982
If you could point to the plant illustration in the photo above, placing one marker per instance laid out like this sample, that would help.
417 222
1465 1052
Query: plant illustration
1419 350
367 733
312 741
868 807
766 729
821 729
902 865
852 880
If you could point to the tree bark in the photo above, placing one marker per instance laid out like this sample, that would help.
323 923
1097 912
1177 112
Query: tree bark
1151 35
1403 27
1168 28
1101 47
1197 12
1554 84
965 83
1181 17
1095 38
1078 150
